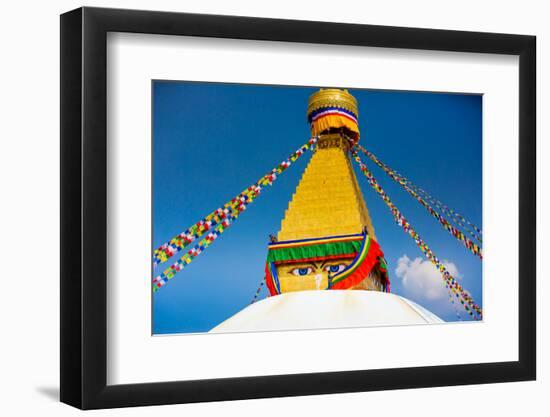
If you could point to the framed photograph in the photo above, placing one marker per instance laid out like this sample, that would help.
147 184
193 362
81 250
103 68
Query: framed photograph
258 208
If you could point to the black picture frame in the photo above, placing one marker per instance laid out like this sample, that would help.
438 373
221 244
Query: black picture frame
84 207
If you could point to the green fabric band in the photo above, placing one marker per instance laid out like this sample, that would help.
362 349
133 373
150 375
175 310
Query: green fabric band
313 251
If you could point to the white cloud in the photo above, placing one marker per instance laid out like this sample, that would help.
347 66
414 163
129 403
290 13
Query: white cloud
422 280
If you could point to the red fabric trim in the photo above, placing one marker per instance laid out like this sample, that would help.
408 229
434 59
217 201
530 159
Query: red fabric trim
363 270
269 281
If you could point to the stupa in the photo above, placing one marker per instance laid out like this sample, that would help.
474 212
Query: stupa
327 239
325 268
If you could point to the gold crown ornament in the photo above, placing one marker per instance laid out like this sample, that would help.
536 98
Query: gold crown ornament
332 97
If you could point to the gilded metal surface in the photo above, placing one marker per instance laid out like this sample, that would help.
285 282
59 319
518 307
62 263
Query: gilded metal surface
327 97
332 141
327 200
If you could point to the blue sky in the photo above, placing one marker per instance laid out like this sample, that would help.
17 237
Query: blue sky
211 140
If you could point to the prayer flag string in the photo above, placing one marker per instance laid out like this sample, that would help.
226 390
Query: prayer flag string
476 232
258 291
473 247
450 282
456 217
216 222
231 208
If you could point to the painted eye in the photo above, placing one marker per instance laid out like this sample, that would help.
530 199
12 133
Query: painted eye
302 271
334 269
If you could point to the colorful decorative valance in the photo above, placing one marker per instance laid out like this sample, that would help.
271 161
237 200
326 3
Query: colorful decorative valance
332 117
364 251
314 249
333 108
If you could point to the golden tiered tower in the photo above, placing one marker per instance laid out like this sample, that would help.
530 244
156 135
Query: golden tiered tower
327 201
327 219
327 242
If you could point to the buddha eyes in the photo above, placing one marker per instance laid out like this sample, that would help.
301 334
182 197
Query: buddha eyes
334 269
302 271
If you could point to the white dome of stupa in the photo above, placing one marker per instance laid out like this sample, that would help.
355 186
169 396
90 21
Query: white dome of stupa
327 309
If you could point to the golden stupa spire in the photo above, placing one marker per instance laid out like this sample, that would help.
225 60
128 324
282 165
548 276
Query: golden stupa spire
328 201
327 240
